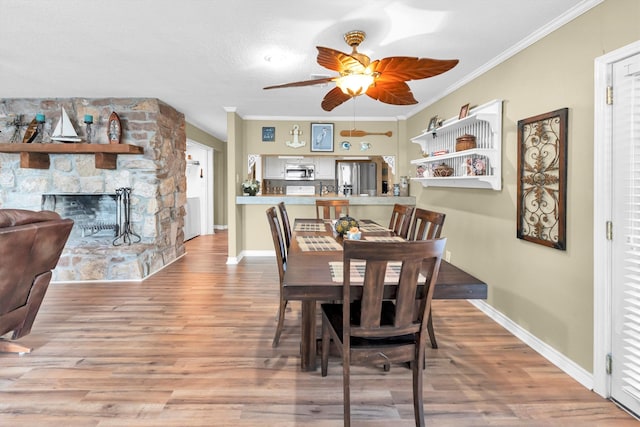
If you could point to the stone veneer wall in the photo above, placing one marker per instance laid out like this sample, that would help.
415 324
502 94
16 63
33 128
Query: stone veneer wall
157 179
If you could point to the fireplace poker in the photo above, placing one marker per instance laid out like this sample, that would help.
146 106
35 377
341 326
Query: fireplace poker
124 209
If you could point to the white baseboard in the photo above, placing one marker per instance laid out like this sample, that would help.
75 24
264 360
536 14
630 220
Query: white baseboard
552 355
235 260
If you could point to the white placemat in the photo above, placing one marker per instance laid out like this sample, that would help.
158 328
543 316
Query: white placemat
310 226
372 227
357 271
318 243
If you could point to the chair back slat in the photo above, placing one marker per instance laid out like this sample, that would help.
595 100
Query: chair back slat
426 225
340 208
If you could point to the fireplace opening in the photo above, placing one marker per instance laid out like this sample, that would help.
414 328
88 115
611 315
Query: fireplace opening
95 215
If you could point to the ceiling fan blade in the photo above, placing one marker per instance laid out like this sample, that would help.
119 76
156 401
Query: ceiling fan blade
392 92
303 83
334 98
404 68
338 61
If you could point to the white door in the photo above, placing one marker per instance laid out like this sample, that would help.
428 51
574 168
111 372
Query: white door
625 285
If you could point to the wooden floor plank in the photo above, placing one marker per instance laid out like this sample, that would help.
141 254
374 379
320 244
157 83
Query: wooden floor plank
191 346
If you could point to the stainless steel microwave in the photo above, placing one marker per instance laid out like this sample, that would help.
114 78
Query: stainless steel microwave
299 172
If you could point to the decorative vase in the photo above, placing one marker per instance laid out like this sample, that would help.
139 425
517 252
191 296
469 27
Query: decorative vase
251 191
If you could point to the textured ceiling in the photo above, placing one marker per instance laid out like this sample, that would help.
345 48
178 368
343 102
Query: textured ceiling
203 57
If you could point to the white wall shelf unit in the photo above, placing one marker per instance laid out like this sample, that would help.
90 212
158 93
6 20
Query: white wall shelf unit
485 123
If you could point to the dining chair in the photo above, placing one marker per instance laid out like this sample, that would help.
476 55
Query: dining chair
378 330
427 225
401 219
286 225
323 208
281 261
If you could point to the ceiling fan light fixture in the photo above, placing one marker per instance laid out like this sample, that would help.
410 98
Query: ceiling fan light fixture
354 84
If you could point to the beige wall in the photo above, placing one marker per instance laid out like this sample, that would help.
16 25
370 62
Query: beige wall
219 171
546 291
380 144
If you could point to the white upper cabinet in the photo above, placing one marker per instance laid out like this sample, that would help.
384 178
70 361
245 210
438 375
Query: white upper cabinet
273 167
325 167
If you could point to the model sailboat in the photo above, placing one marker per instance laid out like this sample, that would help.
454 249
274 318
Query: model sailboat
64 130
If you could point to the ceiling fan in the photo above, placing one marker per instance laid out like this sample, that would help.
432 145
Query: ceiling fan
382 79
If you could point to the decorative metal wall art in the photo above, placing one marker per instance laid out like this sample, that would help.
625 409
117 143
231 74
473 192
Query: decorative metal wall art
542 179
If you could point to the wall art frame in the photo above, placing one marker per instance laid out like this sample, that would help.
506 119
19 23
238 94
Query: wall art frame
321 136
464 111
268 134
542 179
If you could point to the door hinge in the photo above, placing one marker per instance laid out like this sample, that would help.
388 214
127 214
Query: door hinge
609 95
609 230
609 364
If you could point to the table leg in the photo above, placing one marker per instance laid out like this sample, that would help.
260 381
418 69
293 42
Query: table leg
308 336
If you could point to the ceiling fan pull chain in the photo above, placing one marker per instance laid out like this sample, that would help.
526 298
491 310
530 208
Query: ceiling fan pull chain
354 112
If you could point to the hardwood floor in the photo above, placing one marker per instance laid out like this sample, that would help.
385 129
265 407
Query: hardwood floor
191 346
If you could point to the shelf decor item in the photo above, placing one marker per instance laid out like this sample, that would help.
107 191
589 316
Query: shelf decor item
464 111
114 129
442 170
433 124
31 133
64 130
465 142
251 187
542 179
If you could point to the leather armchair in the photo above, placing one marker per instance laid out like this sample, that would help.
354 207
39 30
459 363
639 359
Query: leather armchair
30 246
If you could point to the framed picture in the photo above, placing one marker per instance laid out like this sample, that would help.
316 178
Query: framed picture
433 124
268 134
542 179
321 136
464 111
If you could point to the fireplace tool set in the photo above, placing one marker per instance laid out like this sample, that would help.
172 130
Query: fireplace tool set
125 233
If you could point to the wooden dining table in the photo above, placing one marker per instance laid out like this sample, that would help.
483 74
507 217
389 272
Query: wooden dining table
308 279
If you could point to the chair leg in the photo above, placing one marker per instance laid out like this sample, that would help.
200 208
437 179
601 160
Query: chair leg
326 343
418 406
432 333
11 347
346 390
280 325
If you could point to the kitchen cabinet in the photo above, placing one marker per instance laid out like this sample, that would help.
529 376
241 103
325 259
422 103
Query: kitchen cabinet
478 167
325 168
274 167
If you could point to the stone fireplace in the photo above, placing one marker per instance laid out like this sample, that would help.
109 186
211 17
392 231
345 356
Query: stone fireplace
74 187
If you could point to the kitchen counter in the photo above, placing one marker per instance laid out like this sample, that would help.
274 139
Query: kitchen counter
273 199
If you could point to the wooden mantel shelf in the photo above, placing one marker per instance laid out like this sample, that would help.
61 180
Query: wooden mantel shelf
36 156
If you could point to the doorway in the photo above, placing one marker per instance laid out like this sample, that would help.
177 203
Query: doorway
200 197
616 231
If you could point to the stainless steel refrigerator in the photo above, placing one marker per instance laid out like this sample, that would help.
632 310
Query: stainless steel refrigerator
356 177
